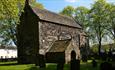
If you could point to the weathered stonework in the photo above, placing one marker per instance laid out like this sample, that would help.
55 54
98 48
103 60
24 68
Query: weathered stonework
50 32
39 29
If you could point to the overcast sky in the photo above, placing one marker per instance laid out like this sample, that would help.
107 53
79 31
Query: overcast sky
58 5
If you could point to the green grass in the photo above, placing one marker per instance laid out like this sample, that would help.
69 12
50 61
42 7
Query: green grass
14 66
88 66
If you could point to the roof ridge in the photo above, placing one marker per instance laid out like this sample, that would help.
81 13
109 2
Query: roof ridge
50 16
54 13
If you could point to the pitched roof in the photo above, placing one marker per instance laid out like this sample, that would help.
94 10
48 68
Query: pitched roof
60 45
46 15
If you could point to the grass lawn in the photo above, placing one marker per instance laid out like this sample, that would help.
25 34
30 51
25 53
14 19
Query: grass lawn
14 66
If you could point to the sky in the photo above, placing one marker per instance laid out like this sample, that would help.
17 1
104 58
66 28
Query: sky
58 5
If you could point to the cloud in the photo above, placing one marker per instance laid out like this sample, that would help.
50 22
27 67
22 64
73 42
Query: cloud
72 1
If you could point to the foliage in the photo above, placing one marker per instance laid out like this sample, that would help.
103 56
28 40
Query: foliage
9 17
9 8
33 3
98 20
10 11
105 47
111 21
94 48
82 16
8 32
68 11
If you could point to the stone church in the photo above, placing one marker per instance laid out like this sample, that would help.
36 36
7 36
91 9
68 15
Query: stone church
47 33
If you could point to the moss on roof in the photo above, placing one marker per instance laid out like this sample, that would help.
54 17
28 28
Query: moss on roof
46 15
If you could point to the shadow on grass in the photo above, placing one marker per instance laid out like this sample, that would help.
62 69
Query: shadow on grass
51 67
9 63
88 66
33 68
83 66
48 67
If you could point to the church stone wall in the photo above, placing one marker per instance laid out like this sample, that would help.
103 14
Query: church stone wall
50 32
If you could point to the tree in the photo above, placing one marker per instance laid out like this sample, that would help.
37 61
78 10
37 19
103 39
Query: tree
10 11
81 15
98 21
68 11
111 21
36 4
9 16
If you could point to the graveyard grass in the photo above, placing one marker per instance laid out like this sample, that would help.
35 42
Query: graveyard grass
14 66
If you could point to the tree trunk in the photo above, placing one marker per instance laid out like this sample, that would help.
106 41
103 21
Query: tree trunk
99 39
99 49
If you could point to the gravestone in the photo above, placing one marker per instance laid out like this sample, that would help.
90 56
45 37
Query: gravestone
106 66
94 63
60 66
42 61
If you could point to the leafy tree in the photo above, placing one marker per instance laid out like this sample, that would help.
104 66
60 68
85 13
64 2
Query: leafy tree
81 15
33 3
98 21
9 16
68 11
10 11
111 21
94 48
8 8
